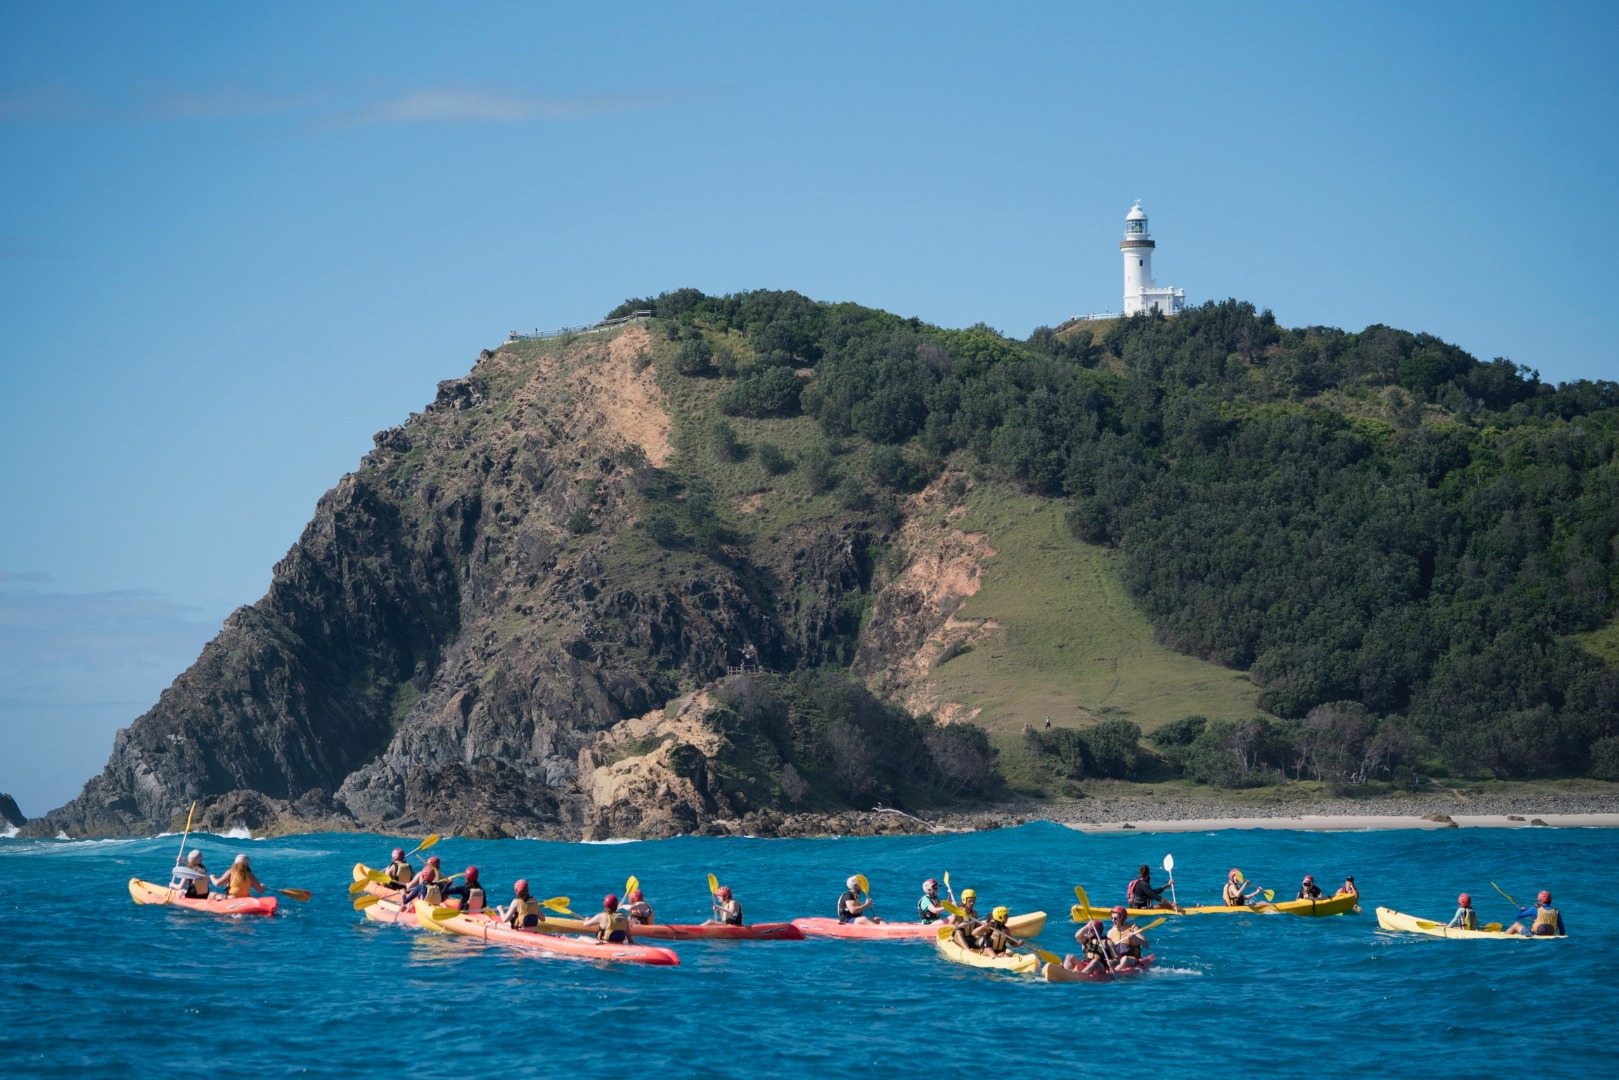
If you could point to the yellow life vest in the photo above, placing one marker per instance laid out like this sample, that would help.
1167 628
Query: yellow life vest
434 894
1545 924
617 923
474 899
239 882
1469 919
401 872
525 914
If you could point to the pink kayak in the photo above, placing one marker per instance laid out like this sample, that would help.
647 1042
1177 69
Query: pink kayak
765 931
144 892
1018 926
487 929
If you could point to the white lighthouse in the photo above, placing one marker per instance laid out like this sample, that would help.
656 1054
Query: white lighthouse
1141 293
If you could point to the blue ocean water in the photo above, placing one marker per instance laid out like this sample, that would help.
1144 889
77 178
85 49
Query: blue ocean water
94 985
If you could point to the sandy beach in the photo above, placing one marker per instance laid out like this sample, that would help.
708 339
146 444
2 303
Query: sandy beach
1355 822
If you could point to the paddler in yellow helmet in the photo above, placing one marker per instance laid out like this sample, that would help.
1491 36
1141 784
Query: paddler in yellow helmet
970 925
994 938
240 880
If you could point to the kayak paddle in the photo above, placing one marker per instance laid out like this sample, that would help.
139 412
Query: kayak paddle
558 904
378 876
180 858
865 886
947 888
1503 892
1084 901
630 885
424 845
300 895
1169 868
366 901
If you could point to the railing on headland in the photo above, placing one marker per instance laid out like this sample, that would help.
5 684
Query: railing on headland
582 328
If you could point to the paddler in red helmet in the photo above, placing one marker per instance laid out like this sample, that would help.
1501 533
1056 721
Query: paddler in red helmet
1465 918
1308 889
727 909
1095 952
636 907
469 892
1543 919
424 885
611 924
400 869
1126 939
524 912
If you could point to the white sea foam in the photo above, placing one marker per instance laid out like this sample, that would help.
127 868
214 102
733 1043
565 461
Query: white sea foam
8 831
1159 969
613 840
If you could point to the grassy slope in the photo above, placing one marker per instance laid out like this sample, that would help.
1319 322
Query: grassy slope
1603 643
1073 647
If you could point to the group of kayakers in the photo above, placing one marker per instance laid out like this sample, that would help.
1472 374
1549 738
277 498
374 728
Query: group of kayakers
614 923
192 880
1237 891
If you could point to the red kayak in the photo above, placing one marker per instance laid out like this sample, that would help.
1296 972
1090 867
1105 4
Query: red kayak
1018 926
487 929
765 931
144 892
1053 973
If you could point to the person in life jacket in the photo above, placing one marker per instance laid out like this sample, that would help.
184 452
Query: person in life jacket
727 909
993 937
1235 893
240 880
928 908
1141 894
425 885
1095 952
639 911
851 908
400 869
1543 919
1465 918
611 924
191 880
1349 888
1308 890
1126 939
969 926
524 912
469 892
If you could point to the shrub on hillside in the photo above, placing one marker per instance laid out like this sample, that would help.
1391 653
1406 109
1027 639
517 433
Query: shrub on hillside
771 391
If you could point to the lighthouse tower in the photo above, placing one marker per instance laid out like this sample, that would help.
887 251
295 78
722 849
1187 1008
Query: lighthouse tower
1141 293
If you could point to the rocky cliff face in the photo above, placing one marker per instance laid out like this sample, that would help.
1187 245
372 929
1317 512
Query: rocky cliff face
469 614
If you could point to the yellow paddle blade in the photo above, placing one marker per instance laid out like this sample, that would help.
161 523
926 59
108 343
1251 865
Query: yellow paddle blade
1048 957
300 895
865 886
443 913
1492 927
1084 901
1270 894
713 884
632 884
954 909
1149 926
557 904
1429 924
358 887
947 880
379 876
427 917
424 845
1240 879
366 901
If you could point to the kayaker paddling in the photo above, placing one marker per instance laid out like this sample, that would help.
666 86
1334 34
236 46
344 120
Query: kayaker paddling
1308 889
993 938
1141 894
240 880
611 924
1126 940
1465 918
636 907
1349 888
524 912
727 909
852 908
425 885
929 908
400 870
469 892
1543 920
1095 952
191 880
1235 893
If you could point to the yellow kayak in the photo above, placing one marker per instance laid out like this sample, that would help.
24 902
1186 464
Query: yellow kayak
1390 919
1329 905
1016 962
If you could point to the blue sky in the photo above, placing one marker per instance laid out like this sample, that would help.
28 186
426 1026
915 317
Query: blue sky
237 240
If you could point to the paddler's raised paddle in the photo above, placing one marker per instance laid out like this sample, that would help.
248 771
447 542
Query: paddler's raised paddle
180 858
948 890
1169 868
424 845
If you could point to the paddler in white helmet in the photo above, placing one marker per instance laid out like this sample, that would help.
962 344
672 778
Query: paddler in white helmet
853 909
191 880
930 909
